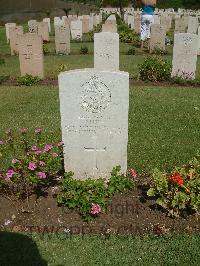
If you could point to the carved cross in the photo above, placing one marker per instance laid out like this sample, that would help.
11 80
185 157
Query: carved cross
95 150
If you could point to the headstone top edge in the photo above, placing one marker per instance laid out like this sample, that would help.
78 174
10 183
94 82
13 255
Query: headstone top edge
92 70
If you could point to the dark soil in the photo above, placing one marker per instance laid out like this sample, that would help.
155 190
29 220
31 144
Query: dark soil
130 213
133 82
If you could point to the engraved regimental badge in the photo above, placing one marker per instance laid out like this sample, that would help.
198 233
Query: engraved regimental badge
96 96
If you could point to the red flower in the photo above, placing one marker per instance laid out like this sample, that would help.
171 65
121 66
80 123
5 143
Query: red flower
177 179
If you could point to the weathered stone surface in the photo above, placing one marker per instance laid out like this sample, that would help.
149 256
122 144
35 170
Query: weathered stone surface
185 55
76 29
156 19
106 51
48 20
8 26
199 41
31 55
62 39
86 24
14 34
192 25
157 40
58 21
33 26
137 23
166 21
109 26
180 26
130 21
94 118
43 30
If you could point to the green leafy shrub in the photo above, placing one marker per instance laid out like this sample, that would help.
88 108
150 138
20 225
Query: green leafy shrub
131 51
63 68
45 50
89 196
89 36
179 191
3 78
129 37
158 51
33 165
2 61
155 69
27 80
84 49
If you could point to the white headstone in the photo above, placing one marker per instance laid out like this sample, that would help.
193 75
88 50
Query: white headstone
185 55
32 26
94 118
106 51
130 21
157 40
156 19
192 25
58 22
48 20
76 29
9 25
62 39
199 41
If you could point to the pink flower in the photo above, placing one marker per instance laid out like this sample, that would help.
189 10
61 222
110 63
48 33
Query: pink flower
32 166
48 147
55 155
9 140
10 173
38 130
8 132
38 152
60 144
23 130
132 173
41 175
34 148
42 163
1 142
14 161
95 209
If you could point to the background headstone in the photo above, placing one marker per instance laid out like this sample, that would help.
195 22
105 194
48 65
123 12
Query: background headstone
157 40
48 20
76 29
33 26
192 25
8 26
14 35
137 23
43 30
106 51
109 26
180 26
31 55
62 39
185 55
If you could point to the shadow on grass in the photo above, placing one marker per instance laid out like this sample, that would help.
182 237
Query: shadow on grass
20 250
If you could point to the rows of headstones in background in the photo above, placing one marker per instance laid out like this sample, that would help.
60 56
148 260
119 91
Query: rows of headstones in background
186 37
29 46
83 24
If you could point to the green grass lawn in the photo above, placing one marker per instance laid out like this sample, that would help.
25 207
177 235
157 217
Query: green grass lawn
89 251
163 122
